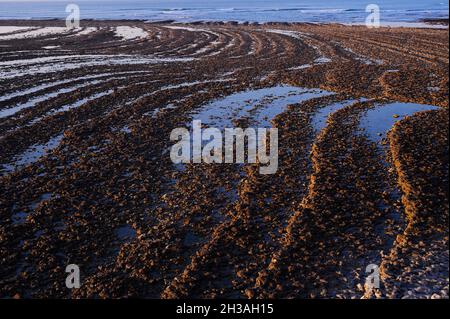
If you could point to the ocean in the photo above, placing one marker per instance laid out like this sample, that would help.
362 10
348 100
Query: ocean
342 11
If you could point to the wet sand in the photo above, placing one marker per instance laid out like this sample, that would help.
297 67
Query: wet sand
86 177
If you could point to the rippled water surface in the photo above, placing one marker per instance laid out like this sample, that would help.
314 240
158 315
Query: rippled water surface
225 10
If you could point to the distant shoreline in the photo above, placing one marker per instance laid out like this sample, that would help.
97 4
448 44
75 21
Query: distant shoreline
435 23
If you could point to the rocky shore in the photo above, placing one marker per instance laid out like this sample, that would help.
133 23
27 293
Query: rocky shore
86 177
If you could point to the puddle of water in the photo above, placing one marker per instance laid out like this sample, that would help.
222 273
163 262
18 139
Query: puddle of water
155 113
319 119
11 29
175 27
130 33
77 104
364 59
293 34
43 197
189 84
51 47
16 68
19 218
232 195
38 234
433 89
322 60
33 154
260 105
301 67
13 110
126 233
67 107
126 129
191 239
379 120
36 33
52 84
